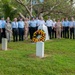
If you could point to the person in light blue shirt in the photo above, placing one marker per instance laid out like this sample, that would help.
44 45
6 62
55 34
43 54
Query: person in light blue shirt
32 23
15 30
37 22
54 29
66 25
0 32
21 29
0 24
3 23
49 24
32 27
14 25
41 21
21 23
63 22
72 25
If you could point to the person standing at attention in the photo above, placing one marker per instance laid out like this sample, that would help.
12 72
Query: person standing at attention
54 29
21 29
41 21
66 26
37 21
0 32
49 24
63 28
8 28
32 25
15 30
58 29
72 24
26 28
3 23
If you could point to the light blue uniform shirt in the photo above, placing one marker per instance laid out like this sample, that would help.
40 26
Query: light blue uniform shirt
32 23
14 24
37 22
49 23
66 23
41 22
3 22
72 24
21 24
0 24
63 23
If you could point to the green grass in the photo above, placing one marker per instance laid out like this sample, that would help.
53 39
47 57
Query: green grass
20 58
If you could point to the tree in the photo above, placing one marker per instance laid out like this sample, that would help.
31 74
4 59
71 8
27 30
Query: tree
37 8
61 7
7 9
28 4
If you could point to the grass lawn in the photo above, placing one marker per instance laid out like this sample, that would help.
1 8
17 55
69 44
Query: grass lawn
20 58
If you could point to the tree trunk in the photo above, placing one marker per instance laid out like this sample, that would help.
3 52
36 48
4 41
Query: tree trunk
21 15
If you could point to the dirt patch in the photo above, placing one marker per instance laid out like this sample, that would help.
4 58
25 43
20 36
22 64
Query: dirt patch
34 56
5 50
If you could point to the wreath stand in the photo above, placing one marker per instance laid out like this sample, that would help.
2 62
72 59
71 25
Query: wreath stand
40 49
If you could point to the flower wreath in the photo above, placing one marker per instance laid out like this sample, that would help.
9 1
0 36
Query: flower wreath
38 36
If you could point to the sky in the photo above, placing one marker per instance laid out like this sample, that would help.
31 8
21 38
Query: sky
41 0
74 1
34 1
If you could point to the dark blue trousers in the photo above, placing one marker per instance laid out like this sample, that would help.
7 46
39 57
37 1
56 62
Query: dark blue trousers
50 32
32 30
71 33
15 34
0 36
66 32
21 34
3 33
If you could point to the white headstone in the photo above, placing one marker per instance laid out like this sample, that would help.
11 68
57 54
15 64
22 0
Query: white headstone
40 49
4 44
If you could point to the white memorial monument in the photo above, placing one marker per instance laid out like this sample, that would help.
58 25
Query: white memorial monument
43 27
40 45
4 44
40 49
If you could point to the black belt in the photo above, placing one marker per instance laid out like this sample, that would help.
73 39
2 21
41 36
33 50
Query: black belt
15 28
33 27
49 26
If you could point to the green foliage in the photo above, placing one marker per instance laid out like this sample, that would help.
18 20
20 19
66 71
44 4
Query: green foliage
20 59
7 9
54 8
